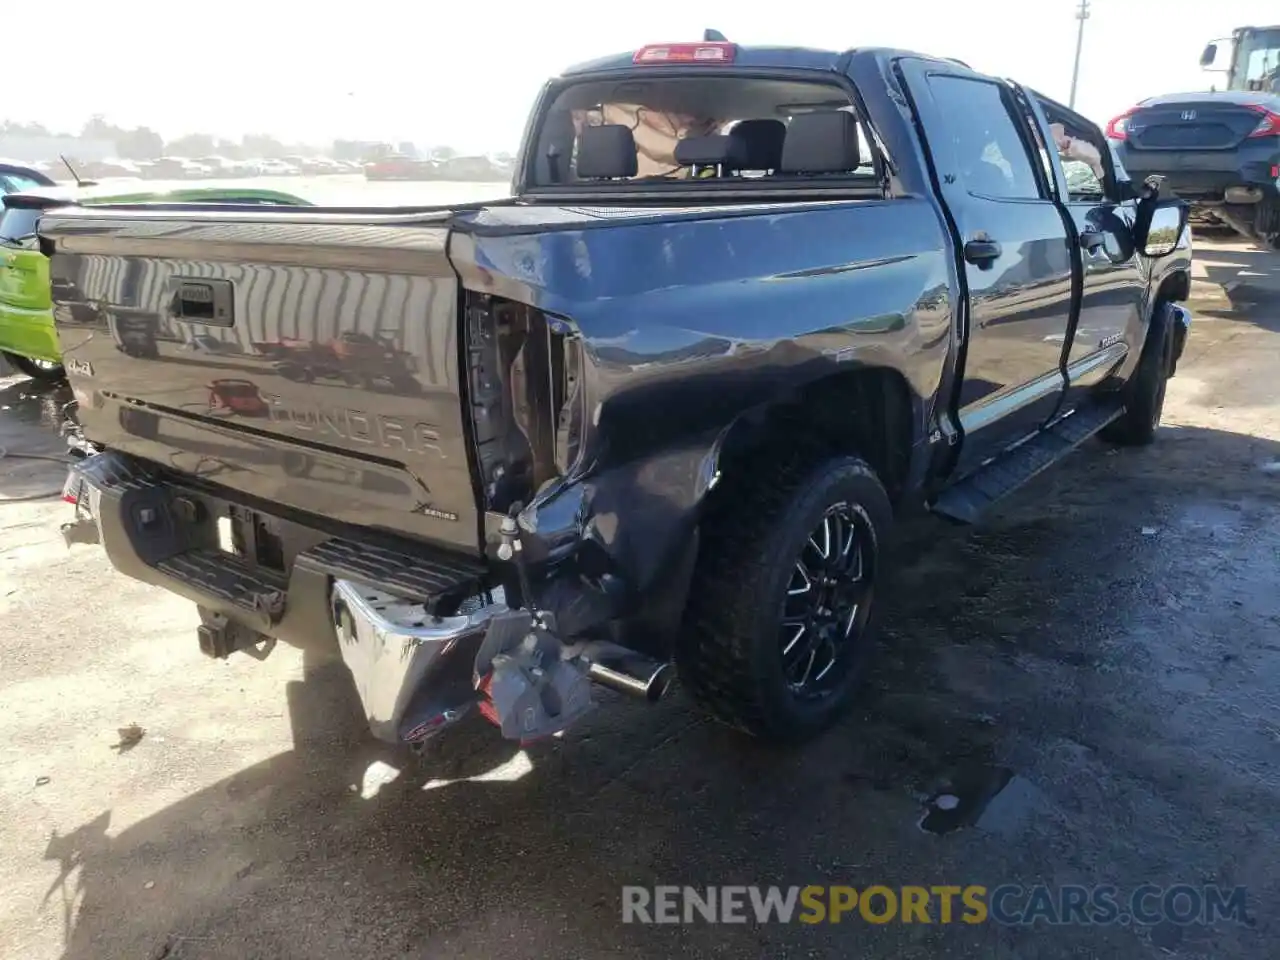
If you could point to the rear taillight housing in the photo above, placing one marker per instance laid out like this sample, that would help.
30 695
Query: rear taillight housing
1268 126
1118 128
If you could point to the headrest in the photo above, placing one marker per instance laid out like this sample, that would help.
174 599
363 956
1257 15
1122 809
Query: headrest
716 148
606 152
759 142
825 142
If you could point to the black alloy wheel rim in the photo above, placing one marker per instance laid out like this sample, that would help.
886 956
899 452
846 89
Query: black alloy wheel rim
828 602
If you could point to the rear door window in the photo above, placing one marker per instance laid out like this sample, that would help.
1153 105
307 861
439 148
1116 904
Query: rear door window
990 154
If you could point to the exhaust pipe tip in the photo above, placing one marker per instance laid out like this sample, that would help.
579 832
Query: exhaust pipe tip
660 683
633 674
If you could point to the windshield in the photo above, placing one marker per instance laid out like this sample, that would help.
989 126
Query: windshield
1258 62
679 129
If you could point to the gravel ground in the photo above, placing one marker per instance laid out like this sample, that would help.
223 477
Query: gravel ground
1091 673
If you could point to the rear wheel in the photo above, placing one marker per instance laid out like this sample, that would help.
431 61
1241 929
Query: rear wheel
45 371
779 625
1144 404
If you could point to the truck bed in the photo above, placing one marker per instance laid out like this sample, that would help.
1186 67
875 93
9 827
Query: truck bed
311 359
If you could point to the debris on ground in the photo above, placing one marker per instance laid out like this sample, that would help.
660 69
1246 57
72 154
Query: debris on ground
130 737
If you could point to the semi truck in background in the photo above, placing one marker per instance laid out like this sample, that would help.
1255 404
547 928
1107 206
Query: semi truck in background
1253 61
1220 149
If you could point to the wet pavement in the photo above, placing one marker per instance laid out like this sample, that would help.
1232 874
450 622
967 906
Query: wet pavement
31 418
1083 690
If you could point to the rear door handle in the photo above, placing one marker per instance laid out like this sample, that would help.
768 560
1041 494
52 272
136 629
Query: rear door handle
1092 240
982 252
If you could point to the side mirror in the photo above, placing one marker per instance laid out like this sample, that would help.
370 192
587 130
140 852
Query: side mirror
1209 55
1159 227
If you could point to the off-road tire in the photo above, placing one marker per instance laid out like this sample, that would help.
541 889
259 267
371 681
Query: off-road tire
729 657
50 373
1144 403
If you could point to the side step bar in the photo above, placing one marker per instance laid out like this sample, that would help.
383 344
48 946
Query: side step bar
967 500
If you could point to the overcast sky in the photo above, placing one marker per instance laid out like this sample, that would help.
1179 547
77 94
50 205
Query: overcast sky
434 71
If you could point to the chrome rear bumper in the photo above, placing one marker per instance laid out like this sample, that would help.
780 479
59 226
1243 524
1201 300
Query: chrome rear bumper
392 648
411 647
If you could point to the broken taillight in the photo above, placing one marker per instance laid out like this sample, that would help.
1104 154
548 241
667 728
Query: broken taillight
71 489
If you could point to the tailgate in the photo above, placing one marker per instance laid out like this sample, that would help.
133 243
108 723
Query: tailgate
306 359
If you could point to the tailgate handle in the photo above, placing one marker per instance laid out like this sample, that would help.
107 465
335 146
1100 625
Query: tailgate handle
202 300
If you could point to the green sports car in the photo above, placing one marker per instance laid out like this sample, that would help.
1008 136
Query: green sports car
27 337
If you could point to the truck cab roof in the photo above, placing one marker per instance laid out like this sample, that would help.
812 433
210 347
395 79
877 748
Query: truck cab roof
776 58
752 58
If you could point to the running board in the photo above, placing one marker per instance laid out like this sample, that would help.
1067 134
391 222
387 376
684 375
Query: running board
966 501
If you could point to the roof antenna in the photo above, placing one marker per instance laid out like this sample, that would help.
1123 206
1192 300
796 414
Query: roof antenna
75 176
714 36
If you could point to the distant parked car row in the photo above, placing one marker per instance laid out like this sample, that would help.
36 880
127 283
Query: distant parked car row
202 168
402 167
393 167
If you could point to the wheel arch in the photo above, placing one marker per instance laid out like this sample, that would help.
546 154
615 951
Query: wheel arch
870 411
1174 287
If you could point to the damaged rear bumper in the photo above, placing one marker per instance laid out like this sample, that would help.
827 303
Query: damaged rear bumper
408 622
392 650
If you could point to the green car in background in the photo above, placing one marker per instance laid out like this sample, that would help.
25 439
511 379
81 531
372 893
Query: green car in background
27 337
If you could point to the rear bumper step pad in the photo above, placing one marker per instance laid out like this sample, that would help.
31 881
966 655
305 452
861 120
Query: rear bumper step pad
146 536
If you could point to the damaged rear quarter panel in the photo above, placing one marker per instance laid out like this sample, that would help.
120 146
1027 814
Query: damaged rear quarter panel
691 318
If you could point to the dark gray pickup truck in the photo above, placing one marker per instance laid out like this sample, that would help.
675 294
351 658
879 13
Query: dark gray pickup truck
658 409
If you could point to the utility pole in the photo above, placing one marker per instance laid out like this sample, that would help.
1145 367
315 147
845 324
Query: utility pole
1082 14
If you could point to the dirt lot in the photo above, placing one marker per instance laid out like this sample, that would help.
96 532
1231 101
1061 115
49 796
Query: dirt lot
1106 648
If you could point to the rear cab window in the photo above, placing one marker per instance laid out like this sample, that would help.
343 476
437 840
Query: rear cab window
702 130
